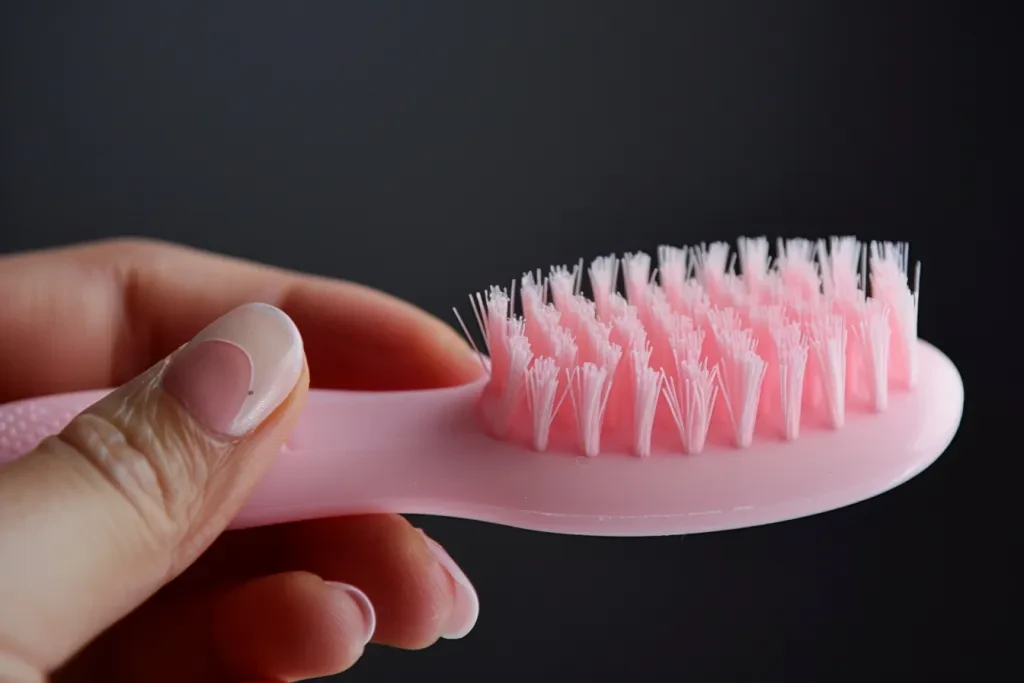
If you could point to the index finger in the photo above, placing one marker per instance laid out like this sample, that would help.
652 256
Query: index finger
95 315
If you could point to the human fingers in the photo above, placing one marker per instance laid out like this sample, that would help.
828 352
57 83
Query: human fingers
283 627
93 316
98 518
419 592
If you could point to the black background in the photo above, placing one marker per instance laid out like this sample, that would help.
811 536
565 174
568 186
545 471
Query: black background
434 148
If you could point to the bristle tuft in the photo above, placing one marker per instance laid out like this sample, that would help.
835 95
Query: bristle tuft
646 391
875 336
590 386
741 373
691 398
828 339
791 351
542 398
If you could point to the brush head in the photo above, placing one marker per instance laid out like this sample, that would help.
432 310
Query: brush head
694 356
696 400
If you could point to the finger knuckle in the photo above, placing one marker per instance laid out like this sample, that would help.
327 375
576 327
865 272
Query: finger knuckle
130 455
135 246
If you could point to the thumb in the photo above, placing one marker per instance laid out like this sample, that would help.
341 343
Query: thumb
98 518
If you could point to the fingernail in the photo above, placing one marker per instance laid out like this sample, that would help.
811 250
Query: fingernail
238 370
368 616
467 604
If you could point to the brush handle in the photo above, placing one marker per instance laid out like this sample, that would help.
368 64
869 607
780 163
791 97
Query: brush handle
350 452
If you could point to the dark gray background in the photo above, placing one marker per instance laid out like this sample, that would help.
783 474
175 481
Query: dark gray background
432 148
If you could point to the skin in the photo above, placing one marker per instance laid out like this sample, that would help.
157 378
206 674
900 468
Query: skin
241 606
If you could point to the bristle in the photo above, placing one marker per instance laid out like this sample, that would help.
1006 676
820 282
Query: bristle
889 282
691 398
711 263
636 276
542 398
753 254
519 357
674 270
840 272
646 391
798 269
563 286
741 373
828 339
589 389
604 276
687 341
791 351
618 307
772 340
495 310
875 336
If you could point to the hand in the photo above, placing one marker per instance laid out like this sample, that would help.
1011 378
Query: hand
112 562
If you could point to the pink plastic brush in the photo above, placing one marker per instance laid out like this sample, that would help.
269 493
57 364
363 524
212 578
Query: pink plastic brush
701 400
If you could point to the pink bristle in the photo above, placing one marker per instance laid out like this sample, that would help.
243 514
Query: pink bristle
519 357
734 292
661 322
542 319
626 333
636 275
604 276
773 341
674 271
723 323
726 318
772 290
741 374
566 355
763 320
588 390
687 341
532 293
689 296
493 313
646 392
875 337
828 340
575 314
691 399
840 272
753 256
593 336
806 313
841 277
618 307
590 387
798 269
791 354
889 283
692 392
711 263
566 351
562 282
546 329
543 398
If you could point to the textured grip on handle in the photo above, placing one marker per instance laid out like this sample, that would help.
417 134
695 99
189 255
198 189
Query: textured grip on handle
25 423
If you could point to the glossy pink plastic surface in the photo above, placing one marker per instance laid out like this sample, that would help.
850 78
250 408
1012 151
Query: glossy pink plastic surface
424 452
